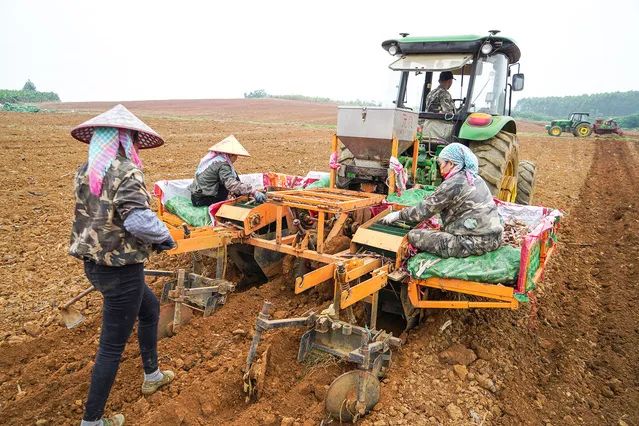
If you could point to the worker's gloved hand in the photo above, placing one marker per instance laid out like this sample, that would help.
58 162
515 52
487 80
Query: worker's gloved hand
165 245
390 218
259 196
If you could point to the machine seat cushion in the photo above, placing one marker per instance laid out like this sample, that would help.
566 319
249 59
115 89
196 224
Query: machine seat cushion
183 208
496 267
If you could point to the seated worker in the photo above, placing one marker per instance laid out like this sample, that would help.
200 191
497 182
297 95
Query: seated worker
471 224
216 178
439 101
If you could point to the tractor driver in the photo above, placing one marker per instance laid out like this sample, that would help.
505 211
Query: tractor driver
439 100
216 178
471 224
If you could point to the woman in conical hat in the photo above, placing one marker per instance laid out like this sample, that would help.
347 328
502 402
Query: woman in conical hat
113 233
216 179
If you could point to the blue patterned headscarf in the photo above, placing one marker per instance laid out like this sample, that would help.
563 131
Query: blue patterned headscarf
463 158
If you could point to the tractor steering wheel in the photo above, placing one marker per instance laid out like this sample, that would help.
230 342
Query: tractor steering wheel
460 100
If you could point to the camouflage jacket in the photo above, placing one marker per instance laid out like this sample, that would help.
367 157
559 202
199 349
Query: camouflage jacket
465 209
440 101
219 173
98 232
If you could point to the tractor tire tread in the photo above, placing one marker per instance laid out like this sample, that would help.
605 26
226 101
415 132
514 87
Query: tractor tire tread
526 182
493 155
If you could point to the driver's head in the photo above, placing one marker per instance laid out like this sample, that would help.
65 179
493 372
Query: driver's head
446 79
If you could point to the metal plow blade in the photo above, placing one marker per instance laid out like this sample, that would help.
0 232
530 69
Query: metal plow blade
71 317
254 379
352 395
167 318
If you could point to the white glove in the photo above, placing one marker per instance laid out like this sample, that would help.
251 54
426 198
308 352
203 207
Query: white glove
390 218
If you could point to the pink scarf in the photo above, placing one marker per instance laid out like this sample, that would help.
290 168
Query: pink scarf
103 149
213 157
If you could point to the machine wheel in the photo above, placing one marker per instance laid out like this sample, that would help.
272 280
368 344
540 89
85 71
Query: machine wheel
554 131
348 391
582 130
498 162
526 182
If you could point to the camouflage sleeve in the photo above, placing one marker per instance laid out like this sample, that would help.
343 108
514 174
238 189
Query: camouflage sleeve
131 194
431 205
232 183
429 101
446 102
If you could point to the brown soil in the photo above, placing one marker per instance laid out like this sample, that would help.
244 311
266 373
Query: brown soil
251 110
572 361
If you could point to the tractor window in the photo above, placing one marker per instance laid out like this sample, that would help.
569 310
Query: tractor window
415 88
431 62
489 91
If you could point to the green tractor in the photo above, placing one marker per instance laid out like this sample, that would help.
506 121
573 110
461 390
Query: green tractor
578 124
482 90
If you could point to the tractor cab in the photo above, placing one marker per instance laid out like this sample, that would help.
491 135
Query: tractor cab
482 85
578 117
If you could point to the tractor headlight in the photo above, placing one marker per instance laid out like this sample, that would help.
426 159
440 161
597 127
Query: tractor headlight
393 50
486 48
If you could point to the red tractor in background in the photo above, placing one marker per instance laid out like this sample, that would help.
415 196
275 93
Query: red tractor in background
606 127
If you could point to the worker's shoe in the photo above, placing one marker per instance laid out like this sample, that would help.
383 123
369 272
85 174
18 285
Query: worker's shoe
149 387
115 420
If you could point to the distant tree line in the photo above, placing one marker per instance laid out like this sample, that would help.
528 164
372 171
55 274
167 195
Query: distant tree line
29 93
621 106
598 104
261 93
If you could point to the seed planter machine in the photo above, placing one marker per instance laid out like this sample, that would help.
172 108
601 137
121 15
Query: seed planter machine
374 271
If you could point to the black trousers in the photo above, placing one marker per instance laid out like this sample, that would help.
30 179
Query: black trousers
199 200
126 297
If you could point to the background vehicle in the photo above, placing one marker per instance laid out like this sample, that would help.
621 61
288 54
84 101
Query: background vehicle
606 127
578 124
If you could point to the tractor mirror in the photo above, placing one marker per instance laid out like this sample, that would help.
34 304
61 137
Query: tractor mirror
518 82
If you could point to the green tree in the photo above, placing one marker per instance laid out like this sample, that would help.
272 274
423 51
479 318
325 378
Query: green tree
629 121
29 86
598 105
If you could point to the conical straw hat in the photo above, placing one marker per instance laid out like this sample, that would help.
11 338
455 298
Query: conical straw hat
230 145
121 118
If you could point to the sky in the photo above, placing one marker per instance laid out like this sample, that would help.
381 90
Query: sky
139 50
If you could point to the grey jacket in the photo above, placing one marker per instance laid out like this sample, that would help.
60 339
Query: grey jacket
465 209
219 173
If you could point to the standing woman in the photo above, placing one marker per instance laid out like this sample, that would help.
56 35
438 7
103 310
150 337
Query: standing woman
114 232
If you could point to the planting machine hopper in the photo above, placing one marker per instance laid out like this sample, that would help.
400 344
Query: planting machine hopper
370 137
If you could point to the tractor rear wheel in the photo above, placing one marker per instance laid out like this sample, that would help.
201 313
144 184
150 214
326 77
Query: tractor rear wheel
582 130
554 131
498 162
526 182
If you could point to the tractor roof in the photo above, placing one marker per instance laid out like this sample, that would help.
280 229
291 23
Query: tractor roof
454 44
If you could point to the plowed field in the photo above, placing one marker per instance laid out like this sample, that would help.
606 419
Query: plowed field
569 359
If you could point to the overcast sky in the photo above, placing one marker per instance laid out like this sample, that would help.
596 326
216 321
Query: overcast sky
132 50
